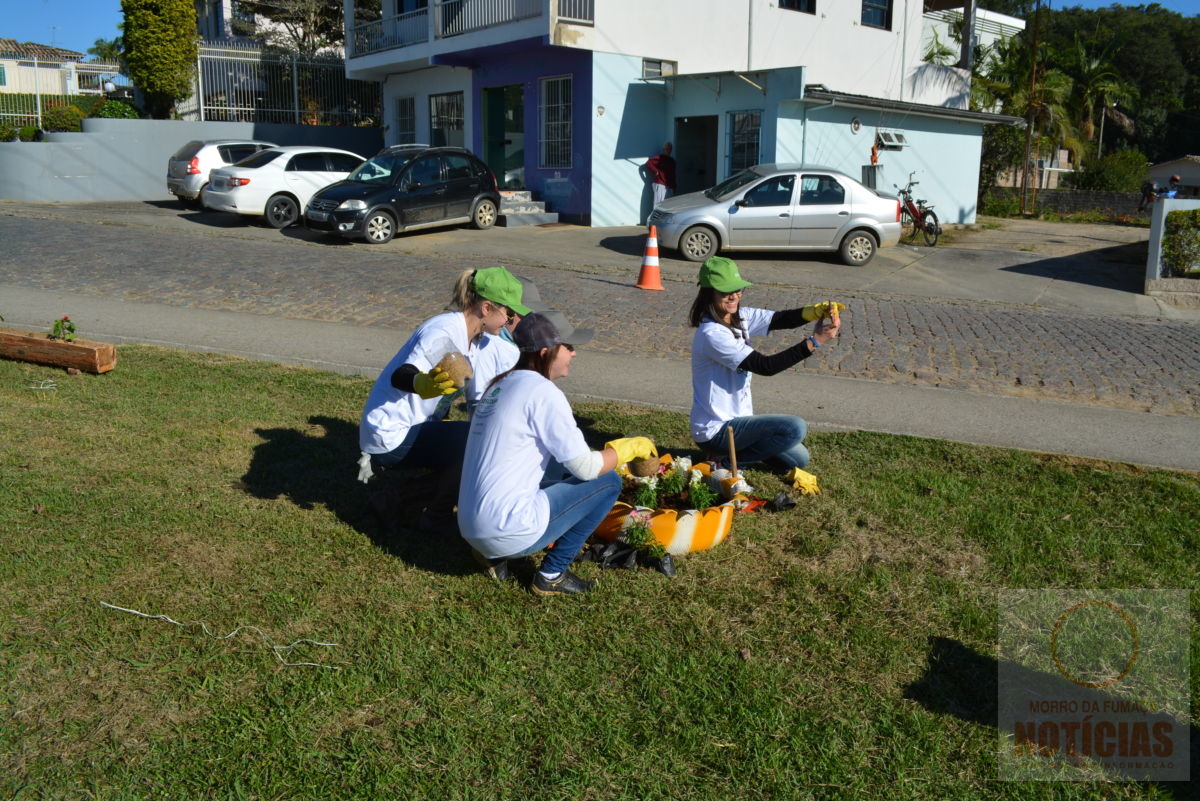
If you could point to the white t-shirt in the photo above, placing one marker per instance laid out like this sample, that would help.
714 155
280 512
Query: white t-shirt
519 425
495 354
720 391
390 412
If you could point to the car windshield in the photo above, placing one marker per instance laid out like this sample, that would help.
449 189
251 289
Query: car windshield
378 170
732 184
260 158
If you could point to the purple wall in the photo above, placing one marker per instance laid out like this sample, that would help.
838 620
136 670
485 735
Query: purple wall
566 191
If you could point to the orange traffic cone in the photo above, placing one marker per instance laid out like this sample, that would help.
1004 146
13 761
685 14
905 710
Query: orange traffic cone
649 278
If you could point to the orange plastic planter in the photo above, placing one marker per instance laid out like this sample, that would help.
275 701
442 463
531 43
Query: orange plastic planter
678 532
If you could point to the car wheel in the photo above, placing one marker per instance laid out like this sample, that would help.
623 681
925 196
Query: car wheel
858 248
196 202
698 243
282 211
379 228
484 216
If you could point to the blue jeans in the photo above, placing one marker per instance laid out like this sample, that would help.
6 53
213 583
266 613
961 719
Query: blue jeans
760 437
576 508
437 444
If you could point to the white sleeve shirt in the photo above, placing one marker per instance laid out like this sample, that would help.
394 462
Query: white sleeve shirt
720 391
390 412
520 424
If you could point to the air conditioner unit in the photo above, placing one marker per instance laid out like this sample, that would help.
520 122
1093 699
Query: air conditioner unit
890 140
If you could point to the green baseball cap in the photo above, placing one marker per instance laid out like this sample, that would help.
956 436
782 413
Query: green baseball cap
499 286
721 274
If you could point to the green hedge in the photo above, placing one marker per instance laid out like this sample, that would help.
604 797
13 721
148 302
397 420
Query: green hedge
1181 243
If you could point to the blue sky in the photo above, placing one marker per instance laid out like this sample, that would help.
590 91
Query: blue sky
76 24
73 24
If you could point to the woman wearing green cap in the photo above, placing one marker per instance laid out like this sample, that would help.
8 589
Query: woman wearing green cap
402 422
723 361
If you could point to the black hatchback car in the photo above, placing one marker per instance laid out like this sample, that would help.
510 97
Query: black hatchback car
405 188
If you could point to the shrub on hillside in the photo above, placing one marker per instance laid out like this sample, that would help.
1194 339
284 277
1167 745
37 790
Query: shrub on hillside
63 118
27 133
1122 171
8 133
114 110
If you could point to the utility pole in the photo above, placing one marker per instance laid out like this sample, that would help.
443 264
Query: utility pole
1033 67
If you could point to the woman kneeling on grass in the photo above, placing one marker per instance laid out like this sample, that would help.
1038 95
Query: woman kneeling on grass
723 361
520 424
402 421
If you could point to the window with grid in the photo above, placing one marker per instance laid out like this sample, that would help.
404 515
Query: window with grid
745 131
807 6
3 82
406 120
877 13
555 115
446 120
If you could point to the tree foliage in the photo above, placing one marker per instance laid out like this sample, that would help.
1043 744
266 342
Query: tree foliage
1121 81
305 27
161 45
107 49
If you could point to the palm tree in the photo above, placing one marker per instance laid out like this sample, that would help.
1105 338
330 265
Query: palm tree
1098 90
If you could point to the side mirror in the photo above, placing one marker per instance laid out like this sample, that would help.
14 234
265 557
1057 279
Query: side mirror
741 202
412 187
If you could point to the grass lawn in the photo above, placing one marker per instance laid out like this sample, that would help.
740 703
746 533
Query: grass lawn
842 649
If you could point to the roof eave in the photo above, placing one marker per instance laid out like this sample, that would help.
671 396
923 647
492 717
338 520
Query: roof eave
858 101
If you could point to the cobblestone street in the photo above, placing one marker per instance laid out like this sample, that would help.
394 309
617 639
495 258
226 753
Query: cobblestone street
1141 364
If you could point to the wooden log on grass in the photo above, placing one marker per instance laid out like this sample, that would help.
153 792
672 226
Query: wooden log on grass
82 354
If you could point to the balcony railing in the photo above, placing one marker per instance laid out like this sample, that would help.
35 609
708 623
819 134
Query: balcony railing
447 18
577 11
391 32
456 17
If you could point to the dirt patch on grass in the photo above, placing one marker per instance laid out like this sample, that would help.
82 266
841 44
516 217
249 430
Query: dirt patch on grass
862 548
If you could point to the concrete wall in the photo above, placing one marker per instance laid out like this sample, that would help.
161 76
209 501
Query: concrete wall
943 153
718 35
632 128
116 160
1158 226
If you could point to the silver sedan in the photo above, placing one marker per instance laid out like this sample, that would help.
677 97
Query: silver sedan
780 207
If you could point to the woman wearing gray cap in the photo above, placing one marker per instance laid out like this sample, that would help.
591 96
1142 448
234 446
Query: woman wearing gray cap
522 422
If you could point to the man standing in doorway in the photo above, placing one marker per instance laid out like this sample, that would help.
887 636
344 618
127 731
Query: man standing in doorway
662 174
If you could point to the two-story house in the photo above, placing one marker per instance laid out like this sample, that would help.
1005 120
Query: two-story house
568 98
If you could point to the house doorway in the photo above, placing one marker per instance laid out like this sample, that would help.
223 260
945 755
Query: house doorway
695 153
504 134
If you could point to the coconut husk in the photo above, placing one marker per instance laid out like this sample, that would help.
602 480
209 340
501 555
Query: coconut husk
455 365
644 467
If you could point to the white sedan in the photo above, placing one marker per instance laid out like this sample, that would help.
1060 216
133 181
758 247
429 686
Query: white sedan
278 182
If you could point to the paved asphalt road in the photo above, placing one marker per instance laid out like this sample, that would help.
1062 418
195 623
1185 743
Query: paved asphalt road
1002 337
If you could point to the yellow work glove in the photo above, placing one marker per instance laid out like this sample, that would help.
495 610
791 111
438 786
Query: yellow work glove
630 448
433 384
803 481
819 311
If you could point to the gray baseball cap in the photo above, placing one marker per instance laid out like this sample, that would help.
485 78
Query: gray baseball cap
546 329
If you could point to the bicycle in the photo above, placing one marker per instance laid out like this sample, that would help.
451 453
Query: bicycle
912 212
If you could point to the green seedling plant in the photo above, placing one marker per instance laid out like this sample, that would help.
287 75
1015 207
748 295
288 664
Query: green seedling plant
63 329
646 494
701 494
641 536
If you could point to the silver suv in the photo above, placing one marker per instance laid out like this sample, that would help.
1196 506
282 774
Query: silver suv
188 168
780 207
